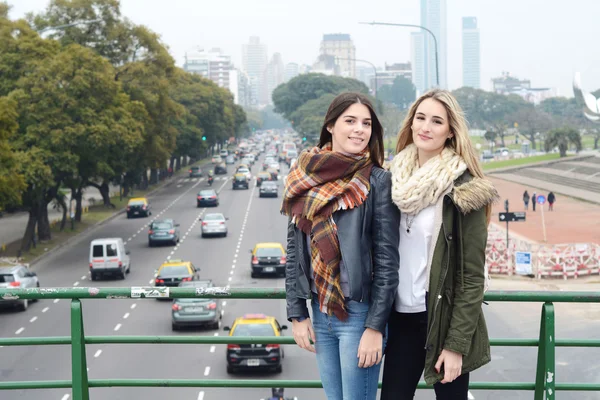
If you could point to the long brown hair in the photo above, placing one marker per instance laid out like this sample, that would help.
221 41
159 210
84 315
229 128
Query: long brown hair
460 141
337 108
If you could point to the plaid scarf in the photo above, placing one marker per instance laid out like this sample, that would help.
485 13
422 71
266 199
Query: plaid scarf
321 182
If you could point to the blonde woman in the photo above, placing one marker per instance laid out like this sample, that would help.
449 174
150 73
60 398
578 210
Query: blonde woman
437 326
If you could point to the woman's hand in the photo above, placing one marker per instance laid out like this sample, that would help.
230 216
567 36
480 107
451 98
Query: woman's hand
303 333
452 365
370 348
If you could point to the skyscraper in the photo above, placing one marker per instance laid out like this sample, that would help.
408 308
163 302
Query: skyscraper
274 75
254 62
417 50
433 17
341 46
291 71
471 52
212 64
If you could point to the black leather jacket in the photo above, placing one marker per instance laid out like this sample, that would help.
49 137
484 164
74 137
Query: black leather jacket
369 239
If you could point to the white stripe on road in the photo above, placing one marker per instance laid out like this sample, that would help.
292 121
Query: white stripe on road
212 349
66 397
19 331
33 319
56 301
206 371
126 316
133 306
201 396
224 303
471 397
117 327
83 277
45 309
98 353
76 284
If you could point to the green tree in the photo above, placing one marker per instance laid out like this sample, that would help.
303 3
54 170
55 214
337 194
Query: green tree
402 93
532 120
308 118
475 104
12 181
562 138
391 119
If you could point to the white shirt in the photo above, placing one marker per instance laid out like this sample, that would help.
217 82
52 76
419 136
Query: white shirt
415 246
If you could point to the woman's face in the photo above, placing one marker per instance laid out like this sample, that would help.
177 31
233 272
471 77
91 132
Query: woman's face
352 130
430 128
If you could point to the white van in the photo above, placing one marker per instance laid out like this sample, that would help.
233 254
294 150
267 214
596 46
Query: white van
224 153
109 257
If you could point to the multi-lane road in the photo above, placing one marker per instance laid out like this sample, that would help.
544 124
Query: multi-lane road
226 261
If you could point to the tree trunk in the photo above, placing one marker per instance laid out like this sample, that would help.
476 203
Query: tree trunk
184 161
532 139
44 232
153 175
29 236
145 180
563 150
177 163
172 163
63 205
105 193
502 139
596 139
78 196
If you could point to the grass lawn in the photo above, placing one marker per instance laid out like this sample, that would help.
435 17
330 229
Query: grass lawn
519 161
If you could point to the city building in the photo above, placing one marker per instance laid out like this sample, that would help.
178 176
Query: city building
326 64
274 75
423 48
340 46
471 53
390 73
507 84
254 63
292 70
239 85
212 64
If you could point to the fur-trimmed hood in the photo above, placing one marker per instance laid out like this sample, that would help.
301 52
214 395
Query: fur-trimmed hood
471 193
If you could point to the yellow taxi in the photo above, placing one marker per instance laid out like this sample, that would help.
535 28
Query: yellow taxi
138 207
268 258
261 177
173 272
254 356
240 181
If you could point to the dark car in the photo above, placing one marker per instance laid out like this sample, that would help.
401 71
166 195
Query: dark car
268 189
173 272
163 231
138 207
195 172
240 181
268 258
254 356
196 312
207 198
262 177
221 169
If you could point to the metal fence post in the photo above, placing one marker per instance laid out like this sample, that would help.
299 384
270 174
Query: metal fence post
80 388
545 378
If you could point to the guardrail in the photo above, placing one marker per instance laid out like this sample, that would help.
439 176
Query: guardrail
544 387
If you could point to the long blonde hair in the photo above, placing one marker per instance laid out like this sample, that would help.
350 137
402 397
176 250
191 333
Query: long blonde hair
460 141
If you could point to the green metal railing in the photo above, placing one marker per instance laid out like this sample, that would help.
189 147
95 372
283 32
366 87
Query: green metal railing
545 385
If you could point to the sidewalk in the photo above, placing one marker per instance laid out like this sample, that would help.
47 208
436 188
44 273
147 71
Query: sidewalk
12 226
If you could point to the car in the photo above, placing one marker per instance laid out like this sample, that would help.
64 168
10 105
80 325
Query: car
274 173
224 153
240 181
274 165
262 177
175 271
291 154
138 207
163 231
207 197
254 356
108 256
230 159
245 171
214 224
247 160
221 169
194 311
268 189
17 276
195 172
267 258
217 160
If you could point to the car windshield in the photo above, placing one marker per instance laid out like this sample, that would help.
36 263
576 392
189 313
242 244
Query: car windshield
195 168
136 203
243 170
270 184
253 330
162 225
6 278
207 193
269 252
175 270
213 217
240 178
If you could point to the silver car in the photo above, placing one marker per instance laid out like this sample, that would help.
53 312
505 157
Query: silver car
17 276
214 224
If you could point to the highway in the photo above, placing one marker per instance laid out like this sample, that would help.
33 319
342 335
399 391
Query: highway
225 261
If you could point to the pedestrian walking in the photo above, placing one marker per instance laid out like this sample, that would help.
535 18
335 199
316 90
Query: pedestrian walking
342 245
551 200
526 200
533 201
437 327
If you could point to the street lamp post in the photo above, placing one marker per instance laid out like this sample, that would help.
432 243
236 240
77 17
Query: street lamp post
52 28
368 62
437 71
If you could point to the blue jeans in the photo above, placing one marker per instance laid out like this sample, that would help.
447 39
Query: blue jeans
337 348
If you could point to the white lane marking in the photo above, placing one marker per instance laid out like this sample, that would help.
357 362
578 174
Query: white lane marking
216 334
76 284
45 309
134 305
231 273
229 279
224 303
212 349
66 397
201 396
18 332
151 280
232 267
83 277
117 327
237 250
206 371
56 301
179 186
134 235
98 353
126 316
33 319
471 397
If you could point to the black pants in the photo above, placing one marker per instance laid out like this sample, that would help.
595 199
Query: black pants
405 360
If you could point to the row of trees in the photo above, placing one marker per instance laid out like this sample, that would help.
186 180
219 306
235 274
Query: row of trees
96 104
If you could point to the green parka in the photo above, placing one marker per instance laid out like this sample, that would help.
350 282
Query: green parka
456 283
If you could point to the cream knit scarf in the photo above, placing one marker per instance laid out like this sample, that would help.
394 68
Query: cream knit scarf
414 188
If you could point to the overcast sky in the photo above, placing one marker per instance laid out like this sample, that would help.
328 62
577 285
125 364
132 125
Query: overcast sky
545 41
